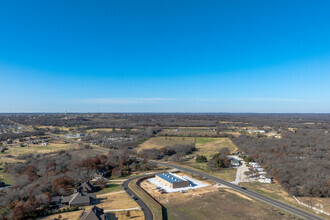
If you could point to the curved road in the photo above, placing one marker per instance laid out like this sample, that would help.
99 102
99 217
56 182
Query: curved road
146 210
293 210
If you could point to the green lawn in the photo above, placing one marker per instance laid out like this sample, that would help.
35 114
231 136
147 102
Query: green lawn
228 174
6 178
110 188
204 140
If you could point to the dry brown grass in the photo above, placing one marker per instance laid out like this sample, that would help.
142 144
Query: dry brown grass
40 149
65 216
319 203
205 146
117 201
53 127
213 145
159 142
220 204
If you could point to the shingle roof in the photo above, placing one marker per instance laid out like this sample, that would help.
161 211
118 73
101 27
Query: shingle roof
78 198
94 213
86 187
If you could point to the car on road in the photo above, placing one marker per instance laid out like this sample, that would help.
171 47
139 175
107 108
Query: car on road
243 187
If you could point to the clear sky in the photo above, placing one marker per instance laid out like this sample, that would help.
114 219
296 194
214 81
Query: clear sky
164 56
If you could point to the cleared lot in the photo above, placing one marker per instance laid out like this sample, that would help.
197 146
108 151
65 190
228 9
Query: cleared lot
221 204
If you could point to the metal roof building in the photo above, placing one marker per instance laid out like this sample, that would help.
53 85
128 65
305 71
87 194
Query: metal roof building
173 181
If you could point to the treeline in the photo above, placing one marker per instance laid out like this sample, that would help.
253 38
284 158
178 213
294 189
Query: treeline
122 138
174 152
42 177
299 161
12 135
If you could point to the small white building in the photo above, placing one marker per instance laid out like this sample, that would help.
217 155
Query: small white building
265 180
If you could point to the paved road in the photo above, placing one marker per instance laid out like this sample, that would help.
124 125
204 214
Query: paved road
146 210
298 212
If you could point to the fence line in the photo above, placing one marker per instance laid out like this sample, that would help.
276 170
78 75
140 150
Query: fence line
308 206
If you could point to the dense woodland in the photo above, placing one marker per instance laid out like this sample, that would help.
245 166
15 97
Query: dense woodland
42 177
300 161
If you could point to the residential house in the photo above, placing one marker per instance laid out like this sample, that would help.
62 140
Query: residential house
78 199
86 187
94 213
235 162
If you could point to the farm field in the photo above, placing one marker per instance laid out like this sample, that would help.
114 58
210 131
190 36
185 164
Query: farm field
51 147
159 142
207 206
204 145
94 130
194 131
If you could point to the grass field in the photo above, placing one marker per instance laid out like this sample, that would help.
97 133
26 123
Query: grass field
191 131
41 149
136 215
110 187
6 178
65 216
210 146
53 127
159 142
221 204
228 174
204 146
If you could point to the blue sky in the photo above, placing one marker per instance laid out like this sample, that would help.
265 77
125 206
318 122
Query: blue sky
164 56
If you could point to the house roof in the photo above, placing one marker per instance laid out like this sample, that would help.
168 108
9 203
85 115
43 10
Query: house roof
78 198
86 187
94 213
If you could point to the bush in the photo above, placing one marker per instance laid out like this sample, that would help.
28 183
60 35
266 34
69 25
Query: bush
201 159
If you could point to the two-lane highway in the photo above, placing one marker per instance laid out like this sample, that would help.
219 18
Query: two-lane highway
293 210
